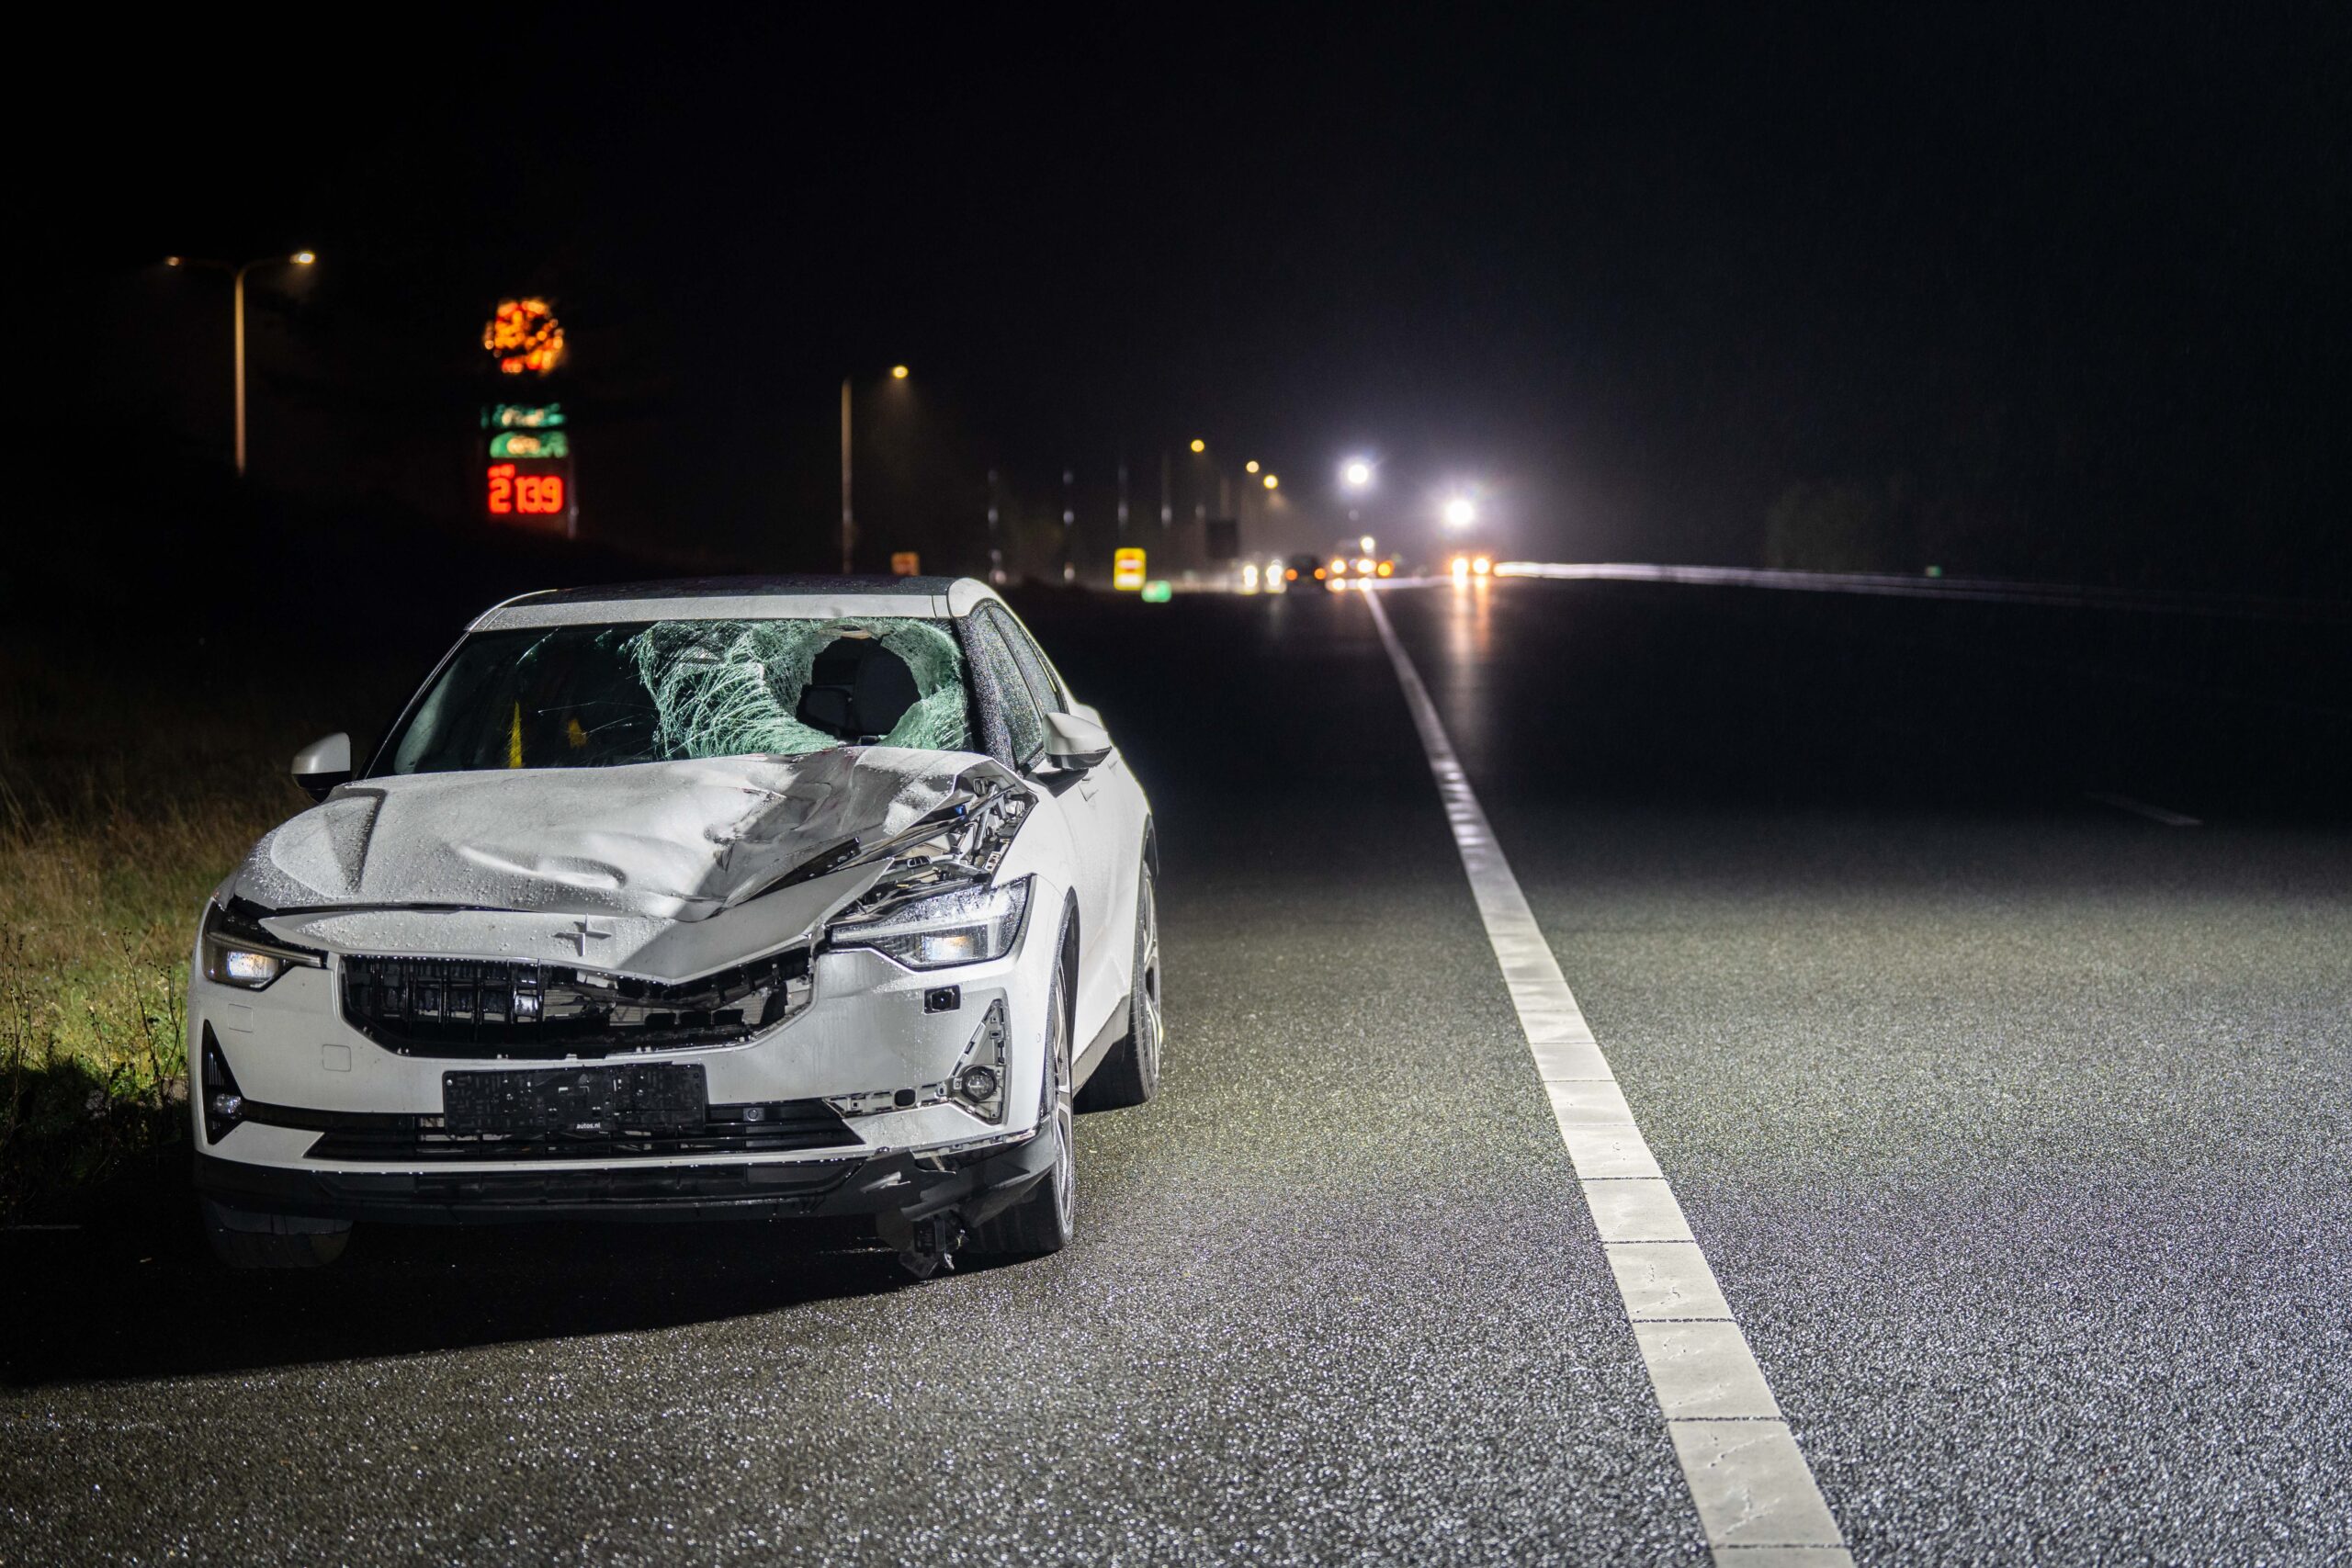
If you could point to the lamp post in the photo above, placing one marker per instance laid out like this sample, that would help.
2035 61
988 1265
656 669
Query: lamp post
1070 524
237 288
1356 475
849 516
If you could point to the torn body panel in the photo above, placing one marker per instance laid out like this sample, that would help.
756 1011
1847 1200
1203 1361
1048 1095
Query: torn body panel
644 946
666 841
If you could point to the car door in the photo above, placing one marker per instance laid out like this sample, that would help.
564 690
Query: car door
1107 845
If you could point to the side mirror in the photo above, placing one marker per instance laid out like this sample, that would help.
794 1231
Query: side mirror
323 764
1076 743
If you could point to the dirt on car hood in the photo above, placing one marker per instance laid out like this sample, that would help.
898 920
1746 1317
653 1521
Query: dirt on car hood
670 840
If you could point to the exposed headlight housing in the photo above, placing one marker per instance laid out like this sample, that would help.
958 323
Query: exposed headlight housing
238 952
963 925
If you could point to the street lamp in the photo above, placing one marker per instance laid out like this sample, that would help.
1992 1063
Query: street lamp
237 281
1272 482
1461 512
1357 473
849 517
1200 485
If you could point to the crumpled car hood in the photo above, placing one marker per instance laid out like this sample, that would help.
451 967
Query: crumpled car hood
670 840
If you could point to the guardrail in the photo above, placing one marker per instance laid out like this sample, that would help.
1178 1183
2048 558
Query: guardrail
1980 589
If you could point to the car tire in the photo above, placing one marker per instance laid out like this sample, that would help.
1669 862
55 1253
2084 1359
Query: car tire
1130 1073
244 1238
1040 1223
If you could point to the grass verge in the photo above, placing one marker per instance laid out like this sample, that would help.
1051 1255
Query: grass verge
126 794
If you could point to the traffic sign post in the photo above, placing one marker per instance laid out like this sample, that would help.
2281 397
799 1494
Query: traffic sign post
527 450
526 478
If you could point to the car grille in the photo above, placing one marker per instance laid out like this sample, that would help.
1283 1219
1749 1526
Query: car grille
468 1008
775 1127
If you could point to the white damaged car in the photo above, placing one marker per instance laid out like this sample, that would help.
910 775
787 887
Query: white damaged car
728 898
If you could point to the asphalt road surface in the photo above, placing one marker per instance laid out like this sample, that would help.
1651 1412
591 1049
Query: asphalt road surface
2011 1114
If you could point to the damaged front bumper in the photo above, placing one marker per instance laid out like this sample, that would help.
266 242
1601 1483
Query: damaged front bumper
897 1190
860 1106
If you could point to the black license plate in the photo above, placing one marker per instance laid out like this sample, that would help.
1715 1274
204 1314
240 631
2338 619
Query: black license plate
574 1101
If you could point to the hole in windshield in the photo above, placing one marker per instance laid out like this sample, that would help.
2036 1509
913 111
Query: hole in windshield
606 695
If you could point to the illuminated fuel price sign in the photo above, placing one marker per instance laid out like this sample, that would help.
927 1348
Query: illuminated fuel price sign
531 494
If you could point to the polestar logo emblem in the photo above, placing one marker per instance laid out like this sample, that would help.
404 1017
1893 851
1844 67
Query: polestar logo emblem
584 935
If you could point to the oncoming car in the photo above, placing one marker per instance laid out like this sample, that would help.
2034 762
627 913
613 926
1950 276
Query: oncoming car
787 897
1336 571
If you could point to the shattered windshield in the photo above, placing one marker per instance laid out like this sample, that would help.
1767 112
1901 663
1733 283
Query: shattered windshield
595 696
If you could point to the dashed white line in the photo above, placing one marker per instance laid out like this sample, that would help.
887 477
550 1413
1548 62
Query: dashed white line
1664 1280
1755 1494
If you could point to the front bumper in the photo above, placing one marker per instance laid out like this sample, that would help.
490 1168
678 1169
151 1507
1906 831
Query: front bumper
335 1116
897 1190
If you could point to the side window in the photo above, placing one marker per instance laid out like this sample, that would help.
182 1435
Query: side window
1033 668
1003 680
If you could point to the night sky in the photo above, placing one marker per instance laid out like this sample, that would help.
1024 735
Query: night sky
2022 294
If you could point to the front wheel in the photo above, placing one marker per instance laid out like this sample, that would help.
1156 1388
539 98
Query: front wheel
1130 1073
1040 1223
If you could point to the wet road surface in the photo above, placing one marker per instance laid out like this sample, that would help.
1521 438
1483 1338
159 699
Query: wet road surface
2013 1124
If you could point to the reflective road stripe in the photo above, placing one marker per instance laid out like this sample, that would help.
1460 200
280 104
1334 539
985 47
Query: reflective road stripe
1755 1494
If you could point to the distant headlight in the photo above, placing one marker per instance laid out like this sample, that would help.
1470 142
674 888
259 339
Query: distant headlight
239 953
969 925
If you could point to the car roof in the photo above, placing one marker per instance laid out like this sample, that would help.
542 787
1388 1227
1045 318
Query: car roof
738 598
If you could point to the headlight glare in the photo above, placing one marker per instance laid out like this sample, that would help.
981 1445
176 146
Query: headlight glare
968 925
238 952
239 967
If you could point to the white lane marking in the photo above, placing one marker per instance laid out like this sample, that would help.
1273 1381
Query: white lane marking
1666 1281
1703 1369
1592 1102
1636 1210
1756 1495
1753 1488
1609 1153
2142 808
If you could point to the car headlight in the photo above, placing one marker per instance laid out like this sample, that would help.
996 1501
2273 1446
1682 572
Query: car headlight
968 925
239 953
